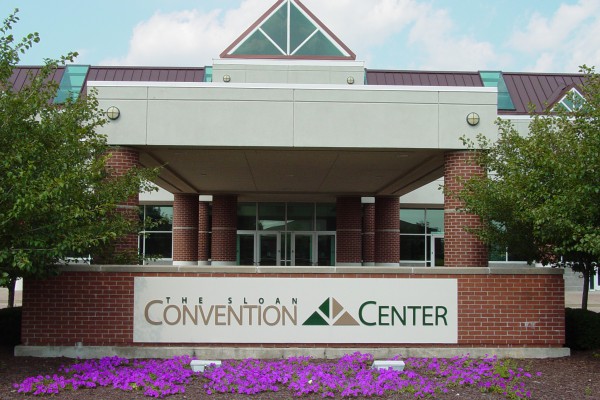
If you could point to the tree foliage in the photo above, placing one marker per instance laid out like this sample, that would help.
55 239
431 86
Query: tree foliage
57 198
541 195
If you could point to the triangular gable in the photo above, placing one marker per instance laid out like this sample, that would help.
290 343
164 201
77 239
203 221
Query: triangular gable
288 30
569 98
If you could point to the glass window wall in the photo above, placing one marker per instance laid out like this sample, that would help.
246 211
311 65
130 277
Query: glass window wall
156 237
417 228
300 216
291 234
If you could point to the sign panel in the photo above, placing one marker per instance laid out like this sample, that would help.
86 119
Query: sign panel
295 310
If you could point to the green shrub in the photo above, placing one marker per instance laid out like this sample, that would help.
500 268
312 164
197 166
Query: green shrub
10 326
582 329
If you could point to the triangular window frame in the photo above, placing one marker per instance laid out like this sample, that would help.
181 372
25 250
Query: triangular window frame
566 100
320 32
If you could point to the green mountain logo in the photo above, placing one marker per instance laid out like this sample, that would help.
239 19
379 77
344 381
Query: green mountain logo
330 313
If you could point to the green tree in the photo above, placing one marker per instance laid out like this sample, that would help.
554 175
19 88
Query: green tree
541 195
57 198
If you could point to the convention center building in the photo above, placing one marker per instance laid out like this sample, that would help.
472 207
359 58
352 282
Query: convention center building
300 209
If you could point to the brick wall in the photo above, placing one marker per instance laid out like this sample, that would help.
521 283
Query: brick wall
460 247
348 230
387 230
368 234
521 310
203 232
121 160
224 229
96 308
185 228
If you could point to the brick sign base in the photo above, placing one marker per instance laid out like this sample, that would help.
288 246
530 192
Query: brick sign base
93 306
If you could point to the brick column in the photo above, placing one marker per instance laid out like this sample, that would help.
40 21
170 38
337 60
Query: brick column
125 248
203 233
224 230
368 234
185 229
348 231
461 249
387 231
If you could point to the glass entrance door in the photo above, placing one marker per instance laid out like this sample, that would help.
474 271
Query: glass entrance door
286 249
302 249
245 249
437 251
269 252
326 249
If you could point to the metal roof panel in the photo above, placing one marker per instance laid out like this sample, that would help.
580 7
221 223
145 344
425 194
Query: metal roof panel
423 78
538 89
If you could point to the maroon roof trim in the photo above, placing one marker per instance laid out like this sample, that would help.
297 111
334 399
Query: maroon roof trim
282 57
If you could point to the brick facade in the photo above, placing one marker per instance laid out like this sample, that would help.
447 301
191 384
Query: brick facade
461 249
96 308
349 231
185 229
203 233
224 230
368 234
387 231
121 160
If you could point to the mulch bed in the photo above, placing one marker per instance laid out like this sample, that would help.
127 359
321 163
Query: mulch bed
576 377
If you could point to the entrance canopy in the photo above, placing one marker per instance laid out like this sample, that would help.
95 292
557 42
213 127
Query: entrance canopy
294 139
283 172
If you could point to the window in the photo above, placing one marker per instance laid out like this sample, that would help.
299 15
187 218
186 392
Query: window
300 216
417 226
495 79
286 234
71 83
208 74
156 239
571 101
326 217
289 31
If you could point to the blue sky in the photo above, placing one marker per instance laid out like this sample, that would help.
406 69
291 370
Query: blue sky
508 35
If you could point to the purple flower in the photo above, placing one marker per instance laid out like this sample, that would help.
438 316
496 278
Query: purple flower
349 376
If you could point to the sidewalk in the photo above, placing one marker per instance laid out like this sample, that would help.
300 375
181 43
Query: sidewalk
572 299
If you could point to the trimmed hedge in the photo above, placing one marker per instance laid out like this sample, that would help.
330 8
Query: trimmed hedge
582 329
10 326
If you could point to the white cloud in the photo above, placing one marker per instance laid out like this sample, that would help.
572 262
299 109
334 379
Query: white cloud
195 38
441 47
564 41
364 24
187 38
430 32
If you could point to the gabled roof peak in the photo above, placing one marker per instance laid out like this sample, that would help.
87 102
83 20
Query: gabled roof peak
288 30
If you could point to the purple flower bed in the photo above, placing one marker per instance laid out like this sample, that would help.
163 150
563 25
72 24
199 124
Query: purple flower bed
156 378
350 376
